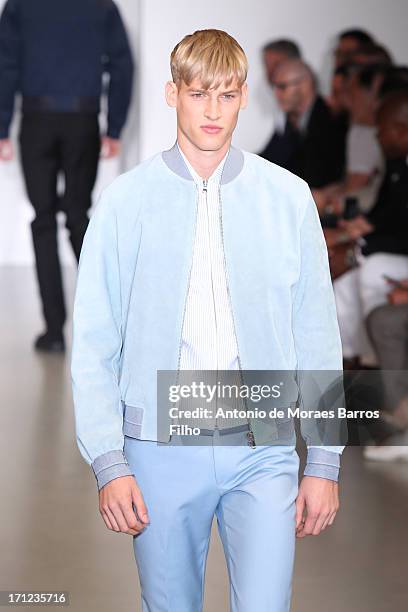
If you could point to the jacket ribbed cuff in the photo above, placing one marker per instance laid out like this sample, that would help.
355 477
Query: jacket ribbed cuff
110 465
322 463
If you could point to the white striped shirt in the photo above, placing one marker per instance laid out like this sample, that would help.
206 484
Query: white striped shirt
208 336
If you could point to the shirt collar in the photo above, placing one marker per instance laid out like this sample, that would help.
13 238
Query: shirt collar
304 118
216 175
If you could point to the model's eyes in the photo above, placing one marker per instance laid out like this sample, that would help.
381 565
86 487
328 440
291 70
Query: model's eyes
198 95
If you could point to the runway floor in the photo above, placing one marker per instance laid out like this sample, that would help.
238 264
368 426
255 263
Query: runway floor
52 537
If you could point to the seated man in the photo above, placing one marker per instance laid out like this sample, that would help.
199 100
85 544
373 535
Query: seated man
364 158
277 51
349 43
274 53
312 144
366 87
385 248
387 326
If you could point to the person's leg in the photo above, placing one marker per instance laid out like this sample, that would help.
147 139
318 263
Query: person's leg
80 148
374 289
388 329
349 313
180 493
373 286
256 521
40 163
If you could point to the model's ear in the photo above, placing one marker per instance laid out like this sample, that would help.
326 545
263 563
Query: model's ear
171 93
244 95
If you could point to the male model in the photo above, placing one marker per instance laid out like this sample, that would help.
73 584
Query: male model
54 54
204 257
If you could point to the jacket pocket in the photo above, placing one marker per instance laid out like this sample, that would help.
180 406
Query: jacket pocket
132 421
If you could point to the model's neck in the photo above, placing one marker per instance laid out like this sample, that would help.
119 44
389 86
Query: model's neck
203 162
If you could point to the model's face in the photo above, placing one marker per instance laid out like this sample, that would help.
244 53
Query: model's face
207 118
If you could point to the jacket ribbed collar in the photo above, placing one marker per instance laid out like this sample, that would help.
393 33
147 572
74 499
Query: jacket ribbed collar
232 166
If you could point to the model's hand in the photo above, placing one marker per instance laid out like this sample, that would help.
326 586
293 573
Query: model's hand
110 147
6 150
115 506
316 505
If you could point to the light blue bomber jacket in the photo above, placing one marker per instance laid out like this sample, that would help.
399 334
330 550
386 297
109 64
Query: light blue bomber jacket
132 286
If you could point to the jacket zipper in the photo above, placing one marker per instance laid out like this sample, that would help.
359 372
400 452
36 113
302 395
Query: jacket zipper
250 434
205 191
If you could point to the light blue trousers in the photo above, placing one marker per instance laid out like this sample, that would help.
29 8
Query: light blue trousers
252 492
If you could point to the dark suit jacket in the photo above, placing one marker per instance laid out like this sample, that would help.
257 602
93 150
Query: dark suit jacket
318 153
58 50
389 216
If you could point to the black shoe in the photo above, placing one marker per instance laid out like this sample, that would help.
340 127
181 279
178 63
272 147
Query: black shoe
52 343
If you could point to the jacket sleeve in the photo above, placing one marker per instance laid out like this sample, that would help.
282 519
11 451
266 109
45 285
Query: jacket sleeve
318 349
96 349
120 67
10 58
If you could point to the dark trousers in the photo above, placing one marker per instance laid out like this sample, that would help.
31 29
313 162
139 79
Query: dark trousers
52 142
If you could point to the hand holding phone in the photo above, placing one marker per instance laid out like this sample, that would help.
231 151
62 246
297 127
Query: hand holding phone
394 282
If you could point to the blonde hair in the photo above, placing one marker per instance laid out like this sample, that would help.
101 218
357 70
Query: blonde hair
211 55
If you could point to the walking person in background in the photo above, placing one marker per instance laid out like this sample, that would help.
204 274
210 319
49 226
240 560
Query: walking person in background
54 54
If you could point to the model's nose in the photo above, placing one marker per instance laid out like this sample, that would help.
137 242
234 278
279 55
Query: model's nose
212 110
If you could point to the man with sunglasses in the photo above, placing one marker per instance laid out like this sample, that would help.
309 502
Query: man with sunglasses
312 143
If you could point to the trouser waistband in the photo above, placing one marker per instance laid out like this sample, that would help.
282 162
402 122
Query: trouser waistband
225 430
60 104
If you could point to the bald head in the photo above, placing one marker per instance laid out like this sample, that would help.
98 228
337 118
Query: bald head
295 86
392 124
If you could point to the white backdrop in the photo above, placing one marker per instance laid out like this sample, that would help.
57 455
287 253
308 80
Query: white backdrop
155 26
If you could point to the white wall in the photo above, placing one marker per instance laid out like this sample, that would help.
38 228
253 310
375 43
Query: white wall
155 26
313 23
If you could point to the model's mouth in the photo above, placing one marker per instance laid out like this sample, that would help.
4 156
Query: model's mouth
211 129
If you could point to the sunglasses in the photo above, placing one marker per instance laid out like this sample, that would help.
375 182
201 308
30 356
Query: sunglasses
282 85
